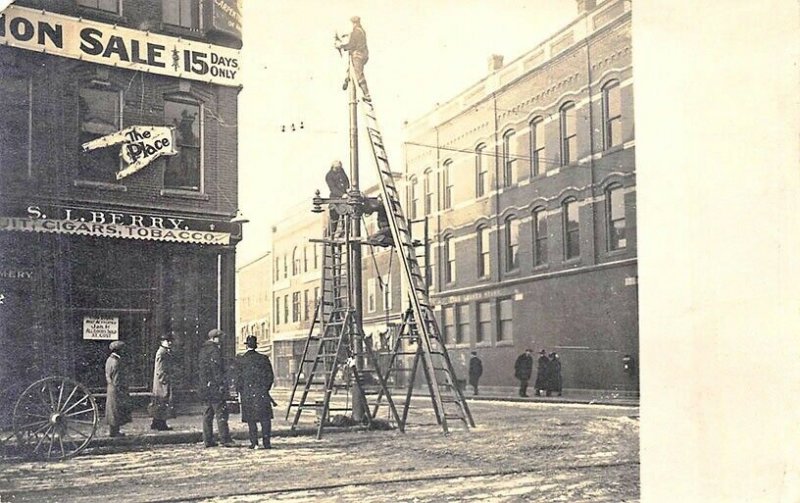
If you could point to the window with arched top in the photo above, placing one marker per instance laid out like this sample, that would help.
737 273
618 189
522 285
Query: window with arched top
428 186
538 162
615 218
512 243
449 259
572 232
612 114
569 135
481 171
484 253
447 184
539 228
508 157
295 261
413 195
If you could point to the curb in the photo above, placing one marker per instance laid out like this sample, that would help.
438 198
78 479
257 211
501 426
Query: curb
192 437
554 400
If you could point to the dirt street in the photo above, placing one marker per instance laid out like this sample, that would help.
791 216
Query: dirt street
518 452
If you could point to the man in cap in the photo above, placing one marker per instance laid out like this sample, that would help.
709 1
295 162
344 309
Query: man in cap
161 407
213 390
475 371
542 366
338 183
359 55
118 410
254 378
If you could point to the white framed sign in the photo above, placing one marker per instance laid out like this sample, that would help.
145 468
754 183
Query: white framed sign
100 329
106 44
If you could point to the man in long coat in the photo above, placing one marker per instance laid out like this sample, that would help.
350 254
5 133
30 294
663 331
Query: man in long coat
523 368
118 410
475 371
542 375
161 406
254 378
213 390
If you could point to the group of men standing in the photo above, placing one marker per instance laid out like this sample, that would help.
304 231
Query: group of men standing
548 373
254 379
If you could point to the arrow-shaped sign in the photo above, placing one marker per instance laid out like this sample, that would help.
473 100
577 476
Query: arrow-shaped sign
141 145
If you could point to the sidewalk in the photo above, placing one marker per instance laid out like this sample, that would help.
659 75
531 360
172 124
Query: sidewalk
187 427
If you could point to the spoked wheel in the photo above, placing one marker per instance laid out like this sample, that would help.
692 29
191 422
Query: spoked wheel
55 418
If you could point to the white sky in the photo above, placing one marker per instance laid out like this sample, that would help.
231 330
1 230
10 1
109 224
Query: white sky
421 53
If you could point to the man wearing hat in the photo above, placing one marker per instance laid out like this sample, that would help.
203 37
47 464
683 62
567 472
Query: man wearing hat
161 407
254 378
542 366
118 410
359 54
522 371
213 390
475 371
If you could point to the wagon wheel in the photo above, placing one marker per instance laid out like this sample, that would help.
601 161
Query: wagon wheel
55 418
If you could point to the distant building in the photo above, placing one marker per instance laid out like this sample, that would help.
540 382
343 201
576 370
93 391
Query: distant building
253 302
85 257
527 180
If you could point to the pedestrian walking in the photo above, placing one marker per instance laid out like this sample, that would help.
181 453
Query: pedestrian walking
523 368
554 374
161 406
254 378
475 371
356 45
541 373
213 390
118 403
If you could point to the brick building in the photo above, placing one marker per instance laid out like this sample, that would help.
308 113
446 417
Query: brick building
87 257
527 180
253 303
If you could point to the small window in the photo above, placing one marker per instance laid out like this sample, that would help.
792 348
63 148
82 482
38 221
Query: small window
512 243
428 187
449 259
481 172
615 209
569 138
316 296
538 161
509 158
462 331
484 254
447 183
184 170
183 13
277 311
572 233
505 330
539 224
286 309
277 272
305 258
285 266
296 263
104 5
306 306
100 114
295 307
612 114
414 196
483 332
316 258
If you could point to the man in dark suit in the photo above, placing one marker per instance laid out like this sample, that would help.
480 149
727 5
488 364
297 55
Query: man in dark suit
523 368
213 390
254 378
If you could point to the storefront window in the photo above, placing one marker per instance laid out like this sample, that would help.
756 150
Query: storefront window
100 114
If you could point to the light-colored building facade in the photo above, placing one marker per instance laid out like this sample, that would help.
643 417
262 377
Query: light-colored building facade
254 301
527 180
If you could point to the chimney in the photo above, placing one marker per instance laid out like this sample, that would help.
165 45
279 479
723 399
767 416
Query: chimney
495 62
585 6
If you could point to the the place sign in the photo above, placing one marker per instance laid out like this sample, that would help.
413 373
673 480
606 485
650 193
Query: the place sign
141 145
50 33
117 224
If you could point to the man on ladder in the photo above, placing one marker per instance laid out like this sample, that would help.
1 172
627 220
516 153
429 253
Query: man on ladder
356 45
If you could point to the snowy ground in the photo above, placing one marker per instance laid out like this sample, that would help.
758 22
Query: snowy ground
518 452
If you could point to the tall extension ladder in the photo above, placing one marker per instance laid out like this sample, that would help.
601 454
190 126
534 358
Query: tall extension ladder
419 325
334 343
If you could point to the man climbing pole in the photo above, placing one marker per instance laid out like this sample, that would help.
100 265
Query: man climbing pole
356 45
